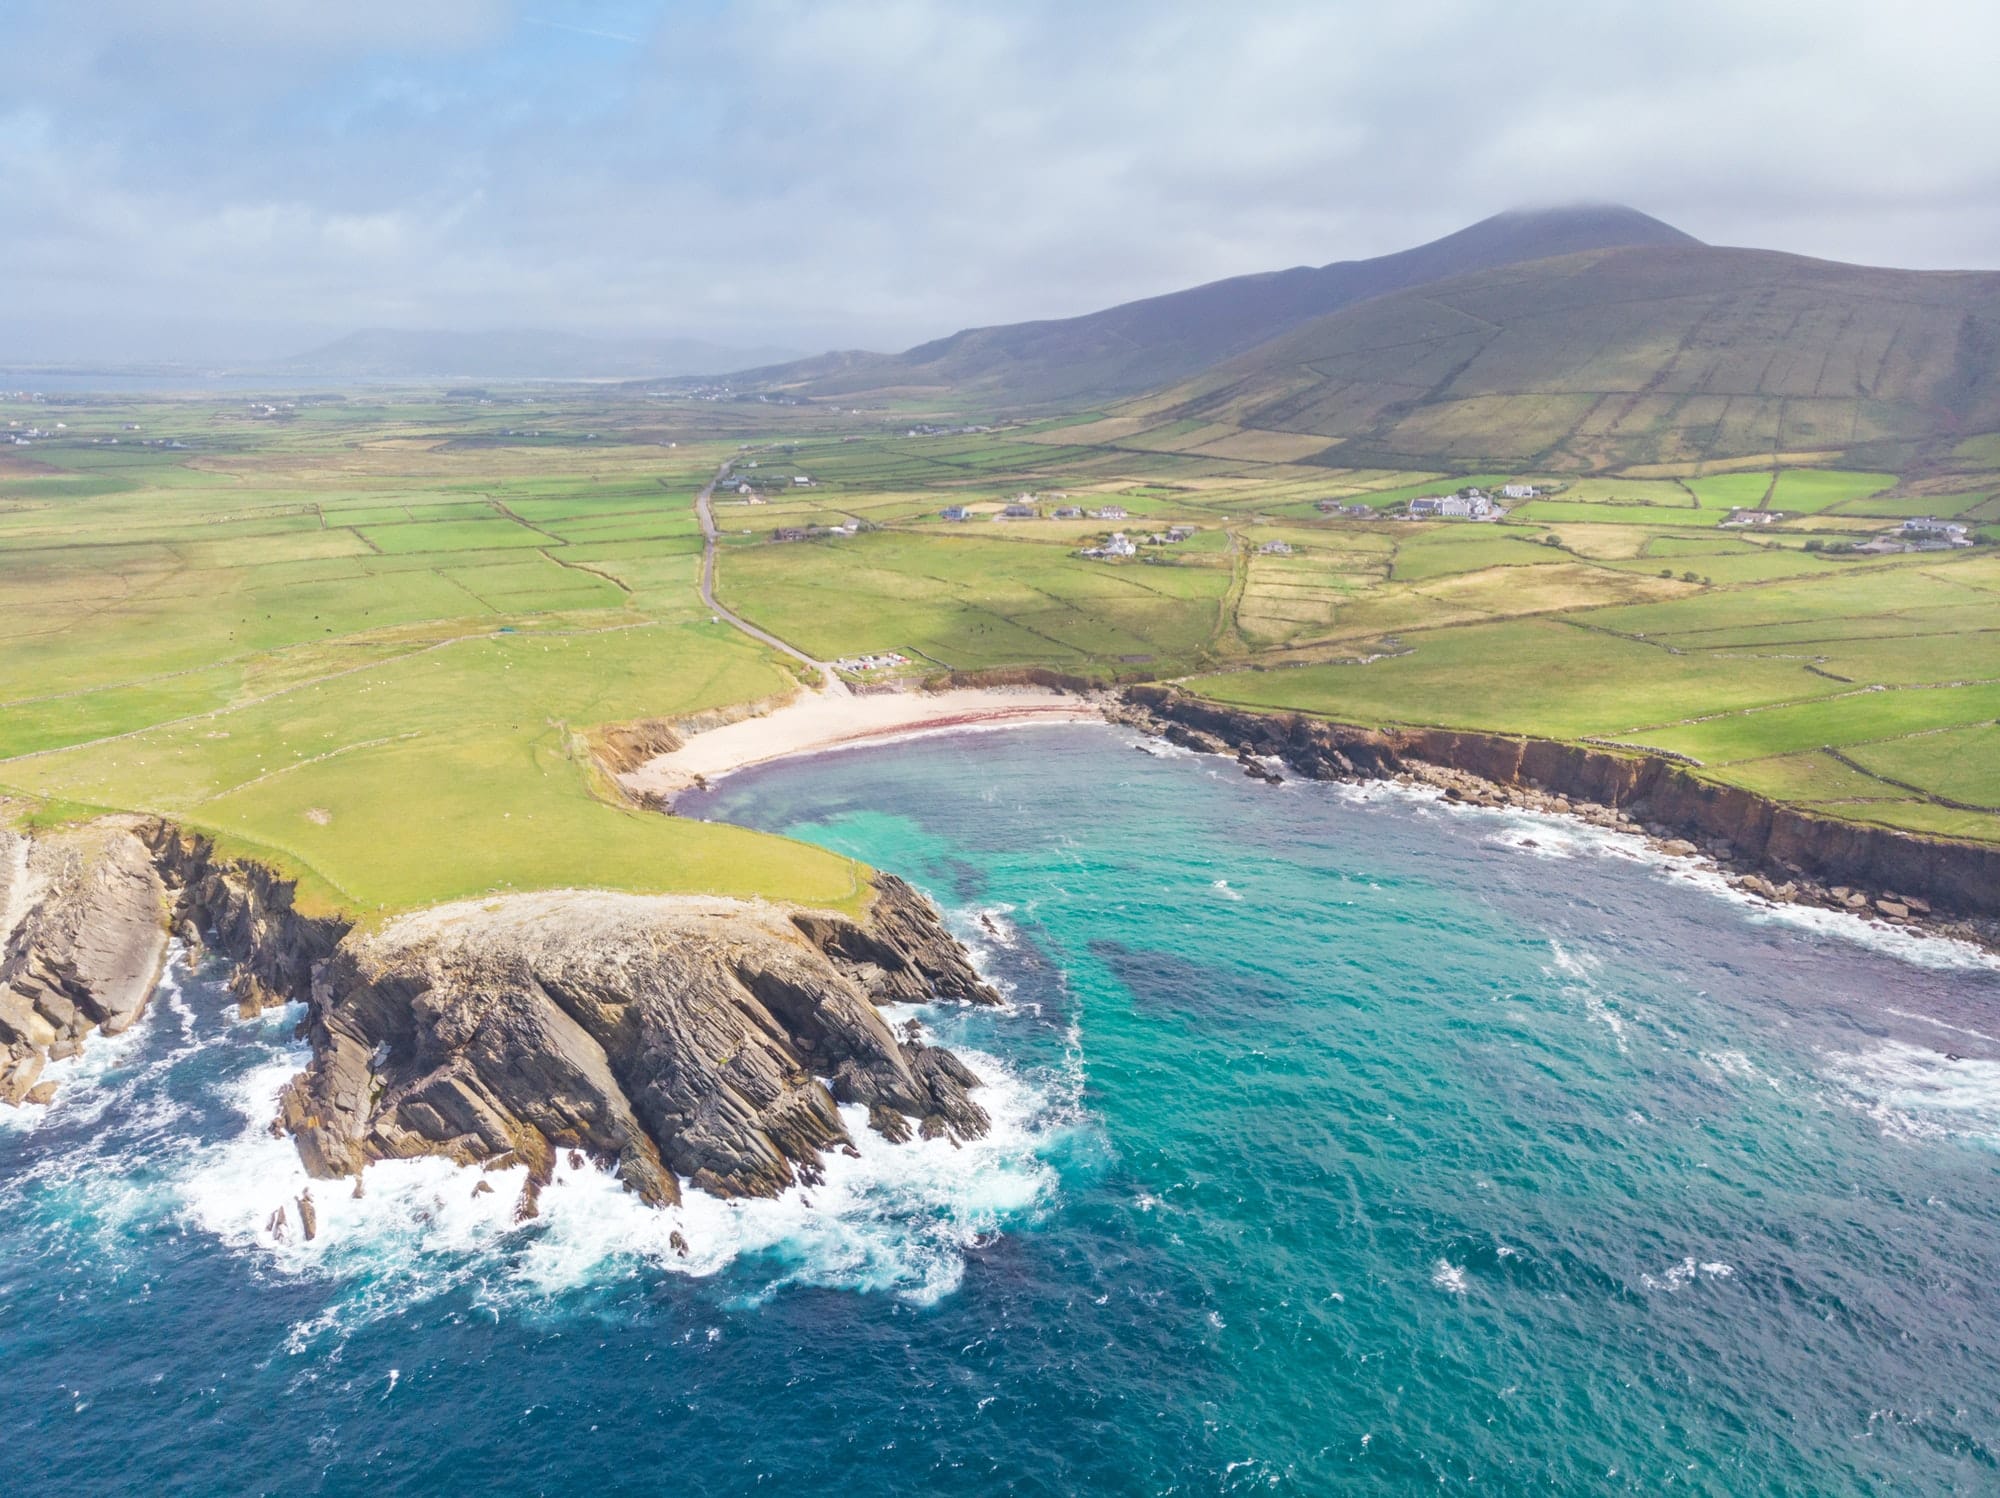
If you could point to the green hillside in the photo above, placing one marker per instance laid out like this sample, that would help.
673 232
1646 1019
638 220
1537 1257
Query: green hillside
1139 346
1612 359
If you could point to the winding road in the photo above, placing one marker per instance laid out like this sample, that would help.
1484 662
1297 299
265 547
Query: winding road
704 509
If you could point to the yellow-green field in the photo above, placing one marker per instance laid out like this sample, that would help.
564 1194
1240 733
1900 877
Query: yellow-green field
369 637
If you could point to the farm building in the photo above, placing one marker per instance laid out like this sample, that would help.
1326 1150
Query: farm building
1929 534
1118 545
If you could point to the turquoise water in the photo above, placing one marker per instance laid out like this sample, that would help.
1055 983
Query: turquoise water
1347 1142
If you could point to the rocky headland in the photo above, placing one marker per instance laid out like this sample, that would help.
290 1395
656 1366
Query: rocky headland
1772 851
83 939
674 1039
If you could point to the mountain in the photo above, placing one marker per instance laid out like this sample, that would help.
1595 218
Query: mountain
1145 344
1650 354
391 353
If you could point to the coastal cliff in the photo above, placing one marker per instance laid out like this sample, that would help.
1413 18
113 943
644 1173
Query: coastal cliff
703 1039
673 1038
1781 851
83 940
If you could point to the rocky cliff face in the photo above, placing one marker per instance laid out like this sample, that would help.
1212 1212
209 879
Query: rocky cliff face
1780 841
83 938
708 1040
674 1038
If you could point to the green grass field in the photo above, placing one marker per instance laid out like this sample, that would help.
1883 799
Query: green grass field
370 641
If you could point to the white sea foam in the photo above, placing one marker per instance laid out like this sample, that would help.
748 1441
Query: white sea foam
1561 835
1915 1093
83 1090
901 1218
1677 1276
1449 1277
1577 972
1739 1067
1221 887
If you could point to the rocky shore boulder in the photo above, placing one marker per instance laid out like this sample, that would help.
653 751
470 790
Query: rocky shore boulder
701 1039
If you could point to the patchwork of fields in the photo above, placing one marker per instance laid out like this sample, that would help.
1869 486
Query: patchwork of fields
372 638
371 650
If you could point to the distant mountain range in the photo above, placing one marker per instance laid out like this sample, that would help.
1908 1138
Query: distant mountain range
1145 344
388 353
1592 337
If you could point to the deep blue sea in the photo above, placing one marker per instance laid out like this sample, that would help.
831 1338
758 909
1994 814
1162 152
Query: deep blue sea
1346 1142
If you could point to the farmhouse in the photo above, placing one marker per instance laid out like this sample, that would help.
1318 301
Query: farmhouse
802 481
1930 534
1066 512
1518 491
1110 512
1118 545
1753 517
1275 549
1019 511
790 533
954 512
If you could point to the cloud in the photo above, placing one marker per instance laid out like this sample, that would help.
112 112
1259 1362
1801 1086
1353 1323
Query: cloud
876 173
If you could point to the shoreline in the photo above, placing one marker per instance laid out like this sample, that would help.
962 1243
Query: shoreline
821 721
1330 752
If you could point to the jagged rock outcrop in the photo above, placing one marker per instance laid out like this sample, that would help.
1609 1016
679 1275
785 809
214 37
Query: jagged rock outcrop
703 1039
1768 837
246 913
83 938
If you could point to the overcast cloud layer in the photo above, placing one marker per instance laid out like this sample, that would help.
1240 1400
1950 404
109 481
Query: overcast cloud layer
214 179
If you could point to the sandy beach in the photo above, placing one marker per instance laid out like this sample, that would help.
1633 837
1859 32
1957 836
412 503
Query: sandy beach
823 720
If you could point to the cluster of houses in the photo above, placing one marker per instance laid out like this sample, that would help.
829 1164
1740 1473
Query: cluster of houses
1118 544
926 429
887 660
1464 504
1927 534
1467 504
1025 508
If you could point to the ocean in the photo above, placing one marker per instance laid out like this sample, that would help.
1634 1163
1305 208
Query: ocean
1346 1140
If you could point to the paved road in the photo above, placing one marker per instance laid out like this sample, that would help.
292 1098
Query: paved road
704 510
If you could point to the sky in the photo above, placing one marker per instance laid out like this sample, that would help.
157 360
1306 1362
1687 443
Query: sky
242 179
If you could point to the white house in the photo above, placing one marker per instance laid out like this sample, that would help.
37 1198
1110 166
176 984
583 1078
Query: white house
1930 534
1518 491
1119 545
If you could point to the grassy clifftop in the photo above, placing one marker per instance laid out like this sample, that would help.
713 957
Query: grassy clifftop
368 648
